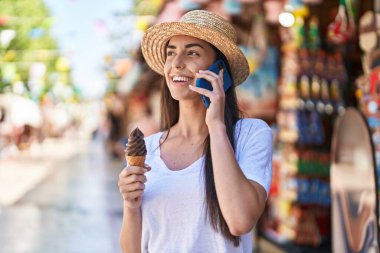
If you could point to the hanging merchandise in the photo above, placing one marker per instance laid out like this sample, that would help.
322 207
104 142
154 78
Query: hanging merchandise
368 91
217 8
374 76
353 186
272 9
173 11
232 7
292 10
257 95
310 98
314 39
369 31
188 5
342 29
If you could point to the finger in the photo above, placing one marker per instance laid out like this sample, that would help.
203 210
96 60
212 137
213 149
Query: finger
209 76
221 72
135 170
215 80
133 178
123 173
133 187
128 188
133 195
201 91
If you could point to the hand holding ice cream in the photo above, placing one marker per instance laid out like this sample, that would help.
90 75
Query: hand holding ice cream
132 179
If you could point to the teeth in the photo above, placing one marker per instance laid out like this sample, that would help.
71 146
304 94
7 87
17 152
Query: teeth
180 79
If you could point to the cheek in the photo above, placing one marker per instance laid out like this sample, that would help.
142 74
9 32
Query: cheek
200 66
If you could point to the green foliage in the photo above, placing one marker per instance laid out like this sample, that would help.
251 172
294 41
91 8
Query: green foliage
33 41
147 7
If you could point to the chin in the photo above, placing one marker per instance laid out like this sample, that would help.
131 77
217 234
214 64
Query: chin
188 99
179 97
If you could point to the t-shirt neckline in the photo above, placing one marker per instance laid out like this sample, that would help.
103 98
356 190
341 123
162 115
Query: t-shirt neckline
191 167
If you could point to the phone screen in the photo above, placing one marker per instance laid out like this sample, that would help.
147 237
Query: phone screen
203 83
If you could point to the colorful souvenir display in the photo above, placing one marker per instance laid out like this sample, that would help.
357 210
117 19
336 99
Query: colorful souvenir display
368 89
310 98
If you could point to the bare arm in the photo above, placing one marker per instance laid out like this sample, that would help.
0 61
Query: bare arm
241 201
131 185
130 235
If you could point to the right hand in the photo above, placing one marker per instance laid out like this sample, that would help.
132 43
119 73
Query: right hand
132 184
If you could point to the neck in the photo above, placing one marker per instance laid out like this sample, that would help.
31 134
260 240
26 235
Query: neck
191 120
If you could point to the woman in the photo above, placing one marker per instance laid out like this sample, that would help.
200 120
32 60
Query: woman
209 172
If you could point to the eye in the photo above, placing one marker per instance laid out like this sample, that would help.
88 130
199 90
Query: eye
169 53
193 53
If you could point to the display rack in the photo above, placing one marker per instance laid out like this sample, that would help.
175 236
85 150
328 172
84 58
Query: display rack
313 81
367 91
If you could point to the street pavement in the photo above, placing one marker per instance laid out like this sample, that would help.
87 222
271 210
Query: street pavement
61 197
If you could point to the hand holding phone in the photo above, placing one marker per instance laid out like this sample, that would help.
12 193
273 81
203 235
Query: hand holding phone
203 83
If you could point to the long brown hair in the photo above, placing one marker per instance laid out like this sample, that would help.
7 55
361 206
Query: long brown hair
170 116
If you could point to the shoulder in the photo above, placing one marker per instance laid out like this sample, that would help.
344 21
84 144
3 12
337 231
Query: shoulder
251 133
251 126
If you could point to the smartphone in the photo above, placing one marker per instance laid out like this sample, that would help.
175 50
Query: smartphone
203 83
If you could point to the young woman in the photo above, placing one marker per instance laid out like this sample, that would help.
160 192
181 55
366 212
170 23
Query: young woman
208 171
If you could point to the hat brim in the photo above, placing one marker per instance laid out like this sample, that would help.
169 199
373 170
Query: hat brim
156 38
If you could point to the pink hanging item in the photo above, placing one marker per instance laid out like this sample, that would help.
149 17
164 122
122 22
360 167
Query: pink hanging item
217 8
172 12
272 8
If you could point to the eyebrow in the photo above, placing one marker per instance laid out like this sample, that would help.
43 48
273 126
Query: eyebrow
186 46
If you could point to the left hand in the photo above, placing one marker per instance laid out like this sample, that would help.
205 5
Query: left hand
215 112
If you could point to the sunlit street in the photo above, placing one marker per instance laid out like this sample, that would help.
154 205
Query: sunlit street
275 104
75 208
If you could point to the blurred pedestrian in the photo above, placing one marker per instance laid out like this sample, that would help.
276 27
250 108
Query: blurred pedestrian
141 116
115 115
209 170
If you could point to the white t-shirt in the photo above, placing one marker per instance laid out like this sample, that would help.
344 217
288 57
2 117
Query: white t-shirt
173 207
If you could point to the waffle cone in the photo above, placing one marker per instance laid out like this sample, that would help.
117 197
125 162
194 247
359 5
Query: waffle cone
136 160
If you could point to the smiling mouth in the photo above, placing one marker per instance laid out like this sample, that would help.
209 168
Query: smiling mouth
180 80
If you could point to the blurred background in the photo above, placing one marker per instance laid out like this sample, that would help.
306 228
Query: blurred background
73 84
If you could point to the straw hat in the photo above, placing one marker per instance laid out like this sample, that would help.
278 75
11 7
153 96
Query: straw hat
200 24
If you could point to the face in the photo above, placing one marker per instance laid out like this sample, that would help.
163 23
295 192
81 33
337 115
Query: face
185 56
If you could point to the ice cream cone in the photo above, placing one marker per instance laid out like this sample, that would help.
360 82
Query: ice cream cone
136 160
135 151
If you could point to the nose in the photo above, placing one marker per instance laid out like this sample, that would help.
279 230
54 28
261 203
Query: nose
178 62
